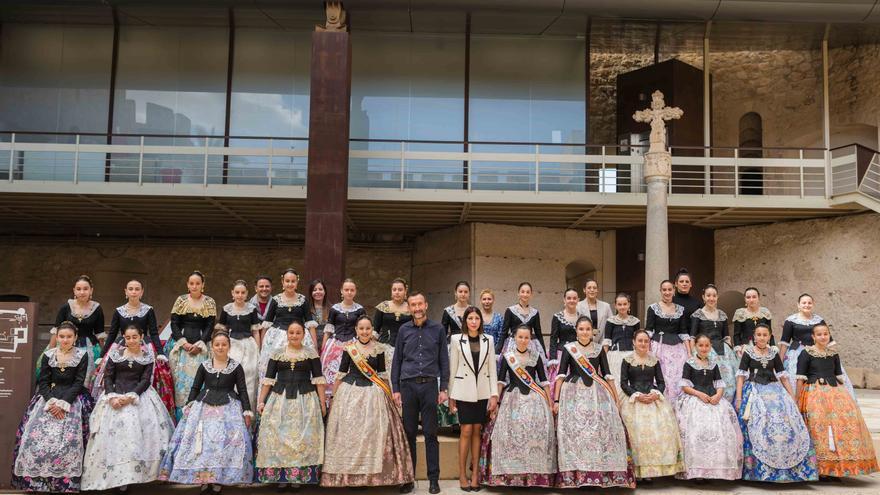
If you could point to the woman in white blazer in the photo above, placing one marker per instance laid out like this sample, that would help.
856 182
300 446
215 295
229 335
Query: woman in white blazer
473 390
598 311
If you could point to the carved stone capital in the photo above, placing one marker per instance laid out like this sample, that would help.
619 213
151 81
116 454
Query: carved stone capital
336 18
658 164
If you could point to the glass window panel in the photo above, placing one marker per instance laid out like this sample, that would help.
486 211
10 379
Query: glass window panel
55 78
407 87
170 81
527 90
270 98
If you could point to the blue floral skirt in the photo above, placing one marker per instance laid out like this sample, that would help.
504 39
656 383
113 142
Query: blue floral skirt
210 445
776 443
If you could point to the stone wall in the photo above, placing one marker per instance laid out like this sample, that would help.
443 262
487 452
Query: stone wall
507 255
783 86
855 85
499 257
836 260
44 269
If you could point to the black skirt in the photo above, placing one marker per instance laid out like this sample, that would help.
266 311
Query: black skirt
472 413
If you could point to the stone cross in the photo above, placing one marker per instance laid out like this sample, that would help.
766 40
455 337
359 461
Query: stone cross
655 116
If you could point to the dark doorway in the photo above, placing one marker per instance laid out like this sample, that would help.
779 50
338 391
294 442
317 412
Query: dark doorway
751 140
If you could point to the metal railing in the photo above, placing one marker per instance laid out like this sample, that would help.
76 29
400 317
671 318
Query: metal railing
407 165
855 169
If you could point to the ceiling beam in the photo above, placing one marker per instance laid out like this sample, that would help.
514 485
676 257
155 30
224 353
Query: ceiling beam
117 210
465 210
702 221
230 212
592 211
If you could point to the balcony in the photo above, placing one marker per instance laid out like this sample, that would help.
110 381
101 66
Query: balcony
412 186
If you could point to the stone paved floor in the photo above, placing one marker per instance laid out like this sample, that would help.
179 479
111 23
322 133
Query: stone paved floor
869 400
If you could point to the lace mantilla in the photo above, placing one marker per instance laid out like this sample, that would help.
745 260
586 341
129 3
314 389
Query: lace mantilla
231 364
142 311
296 355
698 364
525 319
699 314
679 311
590 351
526 360
117 355
796 318
279 299
385 307
341 309
630 321
635 360
743 314
74 360
562 319
752 351
183 307
231 310
814 351
93 305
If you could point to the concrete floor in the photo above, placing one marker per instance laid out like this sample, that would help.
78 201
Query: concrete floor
869 400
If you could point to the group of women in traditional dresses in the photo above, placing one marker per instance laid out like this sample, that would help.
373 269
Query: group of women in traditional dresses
293 390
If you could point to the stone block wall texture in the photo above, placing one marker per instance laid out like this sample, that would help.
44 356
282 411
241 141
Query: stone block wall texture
783 86
44 270
835 260
506 255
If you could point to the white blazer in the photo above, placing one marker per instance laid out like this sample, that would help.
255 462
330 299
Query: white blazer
462 369
603 312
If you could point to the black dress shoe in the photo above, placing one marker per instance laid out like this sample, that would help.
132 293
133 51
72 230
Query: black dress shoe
434 487
407 487
464 488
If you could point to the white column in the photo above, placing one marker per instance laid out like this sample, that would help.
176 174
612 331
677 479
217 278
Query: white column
656 238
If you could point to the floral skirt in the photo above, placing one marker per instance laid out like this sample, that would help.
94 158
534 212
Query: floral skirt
183 369
615 359
712 442
366 444
290 440
48 455
210 445
776 443
653 434
163 382
126 445
591 440
672 359
790 362
519 445
842 440
331 356
728 363
246 352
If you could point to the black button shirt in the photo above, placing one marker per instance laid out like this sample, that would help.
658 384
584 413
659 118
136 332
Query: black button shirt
420 351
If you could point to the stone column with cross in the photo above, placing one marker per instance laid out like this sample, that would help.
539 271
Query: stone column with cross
658 173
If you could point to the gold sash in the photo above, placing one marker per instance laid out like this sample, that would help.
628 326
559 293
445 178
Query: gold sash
585 365
520 372
359 360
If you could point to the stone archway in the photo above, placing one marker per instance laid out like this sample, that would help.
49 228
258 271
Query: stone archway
729 301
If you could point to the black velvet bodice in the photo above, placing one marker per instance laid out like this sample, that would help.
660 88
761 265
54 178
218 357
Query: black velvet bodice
761 369
642 377
353 373
218 387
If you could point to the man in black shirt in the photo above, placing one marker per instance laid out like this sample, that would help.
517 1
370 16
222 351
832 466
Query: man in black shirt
420 358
